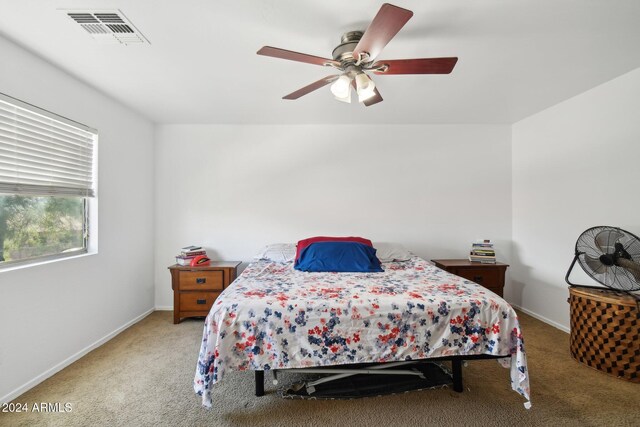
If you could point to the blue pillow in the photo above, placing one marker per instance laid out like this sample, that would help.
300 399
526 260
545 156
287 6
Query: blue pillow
343 257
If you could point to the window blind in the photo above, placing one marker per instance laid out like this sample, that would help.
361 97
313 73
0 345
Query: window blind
44 154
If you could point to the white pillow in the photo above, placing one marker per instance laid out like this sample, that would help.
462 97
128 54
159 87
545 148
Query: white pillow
386 252
278 252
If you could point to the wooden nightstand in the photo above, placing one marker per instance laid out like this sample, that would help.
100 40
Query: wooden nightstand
491 276
196 288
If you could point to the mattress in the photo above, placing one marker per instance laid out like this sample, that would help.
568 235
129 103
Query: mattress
275 317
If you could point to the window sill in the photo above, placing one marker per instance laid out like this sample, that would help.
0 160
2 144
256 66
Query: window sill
35 263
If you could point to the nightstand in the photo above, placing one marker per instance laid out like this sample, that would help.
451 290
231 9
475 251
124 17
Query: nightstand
491 276
196 288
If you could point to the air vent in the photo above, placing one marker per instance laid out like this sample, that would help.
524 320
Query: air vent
107 26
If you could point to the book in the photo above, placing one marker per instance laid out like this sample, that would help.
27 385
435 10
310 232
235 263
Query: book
192 250
194 253
482 260
482 251
484 244
184 260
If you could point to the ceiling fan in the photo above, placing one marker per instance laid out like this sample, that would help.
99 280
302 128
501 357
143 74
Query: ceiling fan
356 54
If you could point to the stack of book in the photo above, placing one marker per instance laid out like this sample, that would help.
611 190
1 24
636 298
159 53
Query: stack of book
188 253
482 251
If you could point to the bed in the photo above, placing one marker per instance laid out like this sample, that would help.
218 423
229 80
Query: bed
275 317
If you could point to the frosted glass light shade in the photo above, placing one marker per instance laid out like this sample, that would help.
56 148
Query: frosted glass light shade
365 87
341 88
346 99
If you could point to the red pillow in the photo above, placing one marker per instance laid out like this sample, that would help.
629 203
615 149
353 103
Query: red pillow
306 242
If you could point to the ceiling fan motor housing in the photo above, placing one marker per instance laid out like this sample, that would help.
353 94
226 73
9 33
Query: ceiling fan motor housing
348 42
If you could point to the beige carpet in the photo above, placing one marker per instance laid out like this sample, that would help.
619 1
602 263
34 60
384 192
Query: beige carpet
143 377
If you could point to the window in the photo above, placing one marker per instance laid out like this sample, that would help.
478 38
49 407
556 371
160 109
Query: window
47 183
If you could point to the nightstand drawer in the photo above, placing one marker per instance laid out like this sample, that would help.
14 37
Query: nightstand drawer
488 278
197 301
201 280
196 288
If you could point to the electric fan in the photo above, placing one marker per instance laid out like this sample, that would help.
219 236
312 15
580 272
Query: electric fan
610 256
605 323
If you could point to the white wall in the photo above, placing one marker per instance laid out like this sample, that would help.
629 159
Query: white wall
237 188
575 165
49 313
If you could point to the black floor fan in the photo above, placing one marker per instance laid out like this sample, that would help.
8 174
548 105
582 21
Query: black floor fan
610 256
605 323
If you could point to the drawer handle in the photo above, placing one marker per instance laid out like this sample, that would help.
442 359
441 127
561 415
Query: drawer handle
477 279
201 280
201 301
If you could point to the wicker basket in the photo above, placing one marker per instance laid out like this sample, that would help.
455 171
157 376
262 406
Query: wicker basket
605 331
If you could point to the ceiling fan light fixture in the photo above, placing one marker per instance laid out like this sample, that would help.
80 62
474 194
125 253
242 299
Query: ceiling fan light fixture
346 99
341 88
365 87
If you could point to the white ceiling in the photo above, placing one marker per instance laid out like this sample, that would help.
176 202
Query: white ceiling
517 57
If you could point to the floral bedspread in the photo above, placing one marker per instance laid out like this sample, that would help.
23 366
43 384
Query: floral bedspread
274 317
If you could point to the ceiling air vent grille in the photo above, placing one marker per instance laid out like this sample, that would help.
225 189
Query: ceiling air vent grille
108 26
109 17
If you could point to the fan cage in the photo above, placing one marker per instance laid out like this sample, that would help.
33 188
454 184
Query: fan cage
601 240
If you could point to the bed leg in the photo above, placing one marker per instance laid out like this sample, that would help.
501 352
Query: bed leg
259 383
456 367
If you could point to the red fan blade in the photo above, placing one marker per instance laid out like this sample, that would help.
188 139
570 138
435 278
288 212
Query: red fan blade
389 20
374 99
295 56
417 66
310 88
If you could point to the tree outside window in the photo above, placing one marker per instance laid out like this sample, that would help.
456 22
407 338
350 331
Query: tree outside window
32 226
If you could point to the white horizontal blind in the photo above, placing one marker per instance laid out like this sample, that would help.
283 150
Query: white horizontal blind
44 154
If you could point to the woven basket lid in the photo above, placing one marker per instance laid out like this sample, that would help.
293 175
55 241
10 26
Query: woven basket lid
605 295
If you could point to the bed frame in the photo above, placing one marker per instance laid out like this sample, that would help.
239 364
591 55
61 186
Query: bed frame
456 370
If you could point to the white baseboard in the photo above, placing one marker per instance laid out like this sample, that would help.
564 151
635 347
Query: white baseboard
68 361
544 319
164 308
